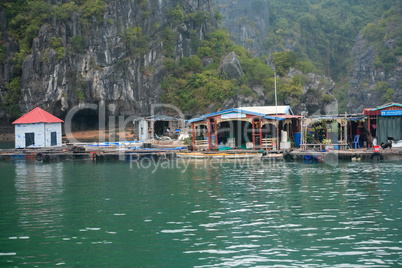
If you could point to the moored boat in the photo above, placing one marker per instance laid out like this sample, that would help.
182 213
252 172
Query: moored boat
220 155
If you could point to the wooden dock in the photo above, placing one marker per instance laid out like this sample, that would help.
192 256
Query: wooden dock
331 155
78 153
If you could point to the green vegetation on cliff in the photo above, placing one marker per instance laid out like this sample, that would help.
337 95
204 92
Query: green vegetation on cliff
194 88
322 30
314 36
325 32
24 19
385 35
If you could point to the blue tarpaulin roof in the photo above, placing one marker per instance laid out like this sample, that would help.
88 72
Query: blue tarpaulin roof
267 112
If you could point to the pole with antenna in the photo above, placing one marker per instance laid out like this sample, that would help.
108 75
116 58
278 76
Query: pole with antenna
276 111
276 98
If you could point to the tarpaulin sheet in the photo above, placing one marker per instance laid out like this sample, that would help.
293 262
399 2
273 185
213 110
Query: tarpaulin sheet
389 126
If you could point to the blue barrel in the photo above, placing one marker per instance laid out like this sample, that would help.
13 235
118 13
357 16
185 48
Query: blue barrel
297 139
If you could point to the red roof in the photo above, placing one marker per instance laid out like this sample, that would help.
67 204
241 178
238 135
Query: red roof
37 115
385 107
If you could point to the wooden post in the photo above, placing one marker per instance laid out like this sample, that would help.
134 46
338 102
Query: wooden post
277 134
260 129
209 134
216 134
301 133
253 128
351 134
193 129
345 133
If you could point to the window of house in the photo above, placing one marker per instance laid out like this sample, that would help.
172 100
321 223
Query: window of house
53 138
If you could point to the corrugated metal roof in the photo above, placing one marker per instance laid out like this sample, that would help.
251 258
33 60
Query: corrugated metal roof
377 111
37 115
267 110
256 110
202 118
282 117
386 106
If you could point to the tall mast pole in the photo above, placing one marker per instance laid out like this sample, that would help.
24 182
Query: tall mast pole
276 98
276 111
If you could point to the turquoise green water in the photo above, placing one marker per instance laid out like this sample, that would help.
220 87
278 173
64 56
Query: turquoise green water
85 214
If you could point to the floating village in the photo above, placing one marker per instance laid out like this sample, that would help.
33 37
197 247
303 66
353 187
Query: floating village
263 132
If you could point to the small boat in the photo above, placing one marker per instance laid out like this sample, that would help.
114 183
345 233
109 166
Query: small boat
200 155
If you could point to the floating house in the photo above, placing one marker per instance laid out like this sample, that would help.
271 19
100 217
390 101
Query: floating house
36 129
156 126
263 127
353 130
385 122
329 131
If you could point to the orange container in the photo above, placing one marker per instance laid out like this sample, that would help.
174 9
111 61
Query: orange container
377 148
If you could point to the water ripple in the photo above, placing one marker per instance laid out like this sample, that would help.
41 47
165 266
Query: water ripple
287 215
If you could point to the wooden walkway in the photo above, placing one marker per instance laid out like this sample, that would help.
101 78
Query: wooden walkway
79 153
349 155
114 154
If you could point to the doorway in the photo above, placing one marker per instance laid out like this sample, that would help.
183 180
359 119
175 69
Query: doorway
29 139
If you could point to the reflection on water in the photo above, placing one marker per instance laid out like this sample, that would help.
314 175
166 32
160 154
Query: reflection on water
39 189
281 214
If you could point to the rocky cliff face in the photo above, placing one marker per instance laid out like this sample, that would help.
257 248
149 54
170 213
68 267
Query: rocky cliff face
104 69
365 91
316 96
247 22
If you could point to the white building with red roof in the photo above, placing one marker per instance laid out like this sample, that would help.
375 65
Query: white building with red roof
36 129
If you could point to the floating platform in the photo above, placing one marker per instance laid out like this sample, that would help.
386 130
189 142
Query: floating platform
332 155
77 153
80 153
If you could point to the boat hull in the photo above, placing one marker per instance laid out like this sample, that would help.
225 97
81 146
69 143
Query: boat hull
197 155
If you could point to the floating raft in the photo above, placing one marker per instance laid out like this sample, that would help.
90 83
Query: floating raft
116 154
134 155
81 153
332 155
45 156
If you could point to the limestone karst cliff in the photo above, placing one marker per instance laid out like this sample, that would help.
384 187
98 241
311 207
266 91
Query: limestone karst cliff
377 74
116 58
247 22
119 53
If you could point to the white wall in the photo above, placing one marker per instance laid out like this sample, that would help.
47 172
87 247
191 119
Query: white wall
52 127
42 134
142 130
21 129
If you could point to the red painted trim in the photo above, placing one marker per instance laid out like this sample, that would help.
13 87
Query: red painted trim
247 116
215 117
260 134
209 135
216 135
368 111
252 125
